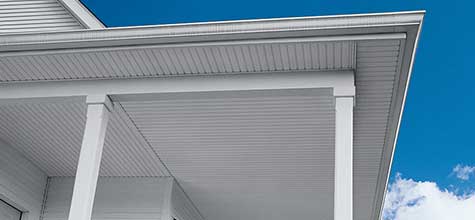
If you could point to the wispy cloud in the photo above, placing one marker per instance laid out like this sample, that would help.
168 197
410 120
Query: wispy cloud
407 199
463 172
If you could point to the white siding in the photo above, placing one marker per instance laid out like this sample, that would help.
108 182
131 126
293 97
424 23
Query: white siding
116 198
21 183
35 16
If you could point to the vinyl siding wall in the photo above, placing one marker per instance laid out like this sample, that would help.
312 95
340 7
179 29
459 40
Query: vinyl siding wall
125 198
22 184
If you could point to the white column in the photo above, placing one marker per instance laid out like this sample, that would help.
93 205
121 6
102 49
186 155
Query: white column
98 108
343 198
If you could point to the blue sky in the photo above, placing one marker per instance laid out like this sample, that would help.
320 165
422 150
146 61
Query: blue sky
438 127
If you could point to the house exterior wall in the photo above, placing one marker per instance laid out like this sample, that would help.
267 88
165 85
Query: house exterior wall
116 198
22 184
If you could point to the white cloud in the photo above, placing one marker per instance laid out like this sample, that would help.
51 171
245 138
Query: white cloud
407 199
463 172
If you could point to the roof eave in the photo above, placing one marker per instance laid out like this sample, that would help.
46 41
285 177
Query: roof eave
394 122
214 31
408 23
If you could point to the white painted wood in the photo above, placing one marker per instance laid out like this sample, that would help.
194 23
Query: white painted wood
89 160
21 183
343 195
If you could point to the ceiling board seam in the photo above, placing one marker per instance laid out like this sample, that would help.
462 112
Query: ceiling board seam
45 197
121 108
168 172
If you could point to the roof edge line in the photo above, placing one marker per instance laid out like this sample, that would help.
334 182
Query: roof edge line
378 211
68 46
419 13
228 27
82 14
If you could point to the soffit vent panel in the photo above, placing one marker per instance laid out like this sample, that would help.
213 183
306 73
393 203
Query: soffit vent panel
178 61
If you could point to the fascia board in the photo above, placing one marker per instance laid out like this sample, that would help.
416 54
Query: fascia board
213 31
407 57
82 14
342 82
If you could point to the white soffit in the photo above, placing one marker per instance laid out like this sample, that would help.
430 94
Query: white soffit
50 135
227 144
196 60
379 48
36 16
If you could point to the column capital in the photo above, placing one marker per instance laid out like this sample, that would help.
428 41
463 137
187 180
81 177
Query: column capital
100 99
345 88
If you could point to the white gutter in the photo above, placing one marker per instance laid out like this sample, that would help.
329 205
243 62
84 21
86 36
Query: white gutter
213 31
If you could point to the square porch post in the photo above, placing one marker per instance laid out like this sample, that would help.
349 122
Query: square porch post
343 195
98 109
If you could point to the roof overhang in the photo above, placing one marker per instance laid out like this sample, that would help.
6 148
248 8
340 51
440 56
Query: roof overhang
391 34
344 27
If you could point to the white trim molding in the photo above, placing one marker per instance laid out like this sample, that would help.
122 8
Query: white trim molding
82 14
342 83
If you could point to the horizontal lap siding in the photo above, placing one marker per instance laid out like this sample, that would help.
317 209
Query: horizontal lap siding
116 198
35 16
21 182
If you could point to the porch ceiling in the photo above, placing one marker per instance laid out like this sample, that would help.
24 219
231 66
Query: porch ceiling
236 154
50 135
234 151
